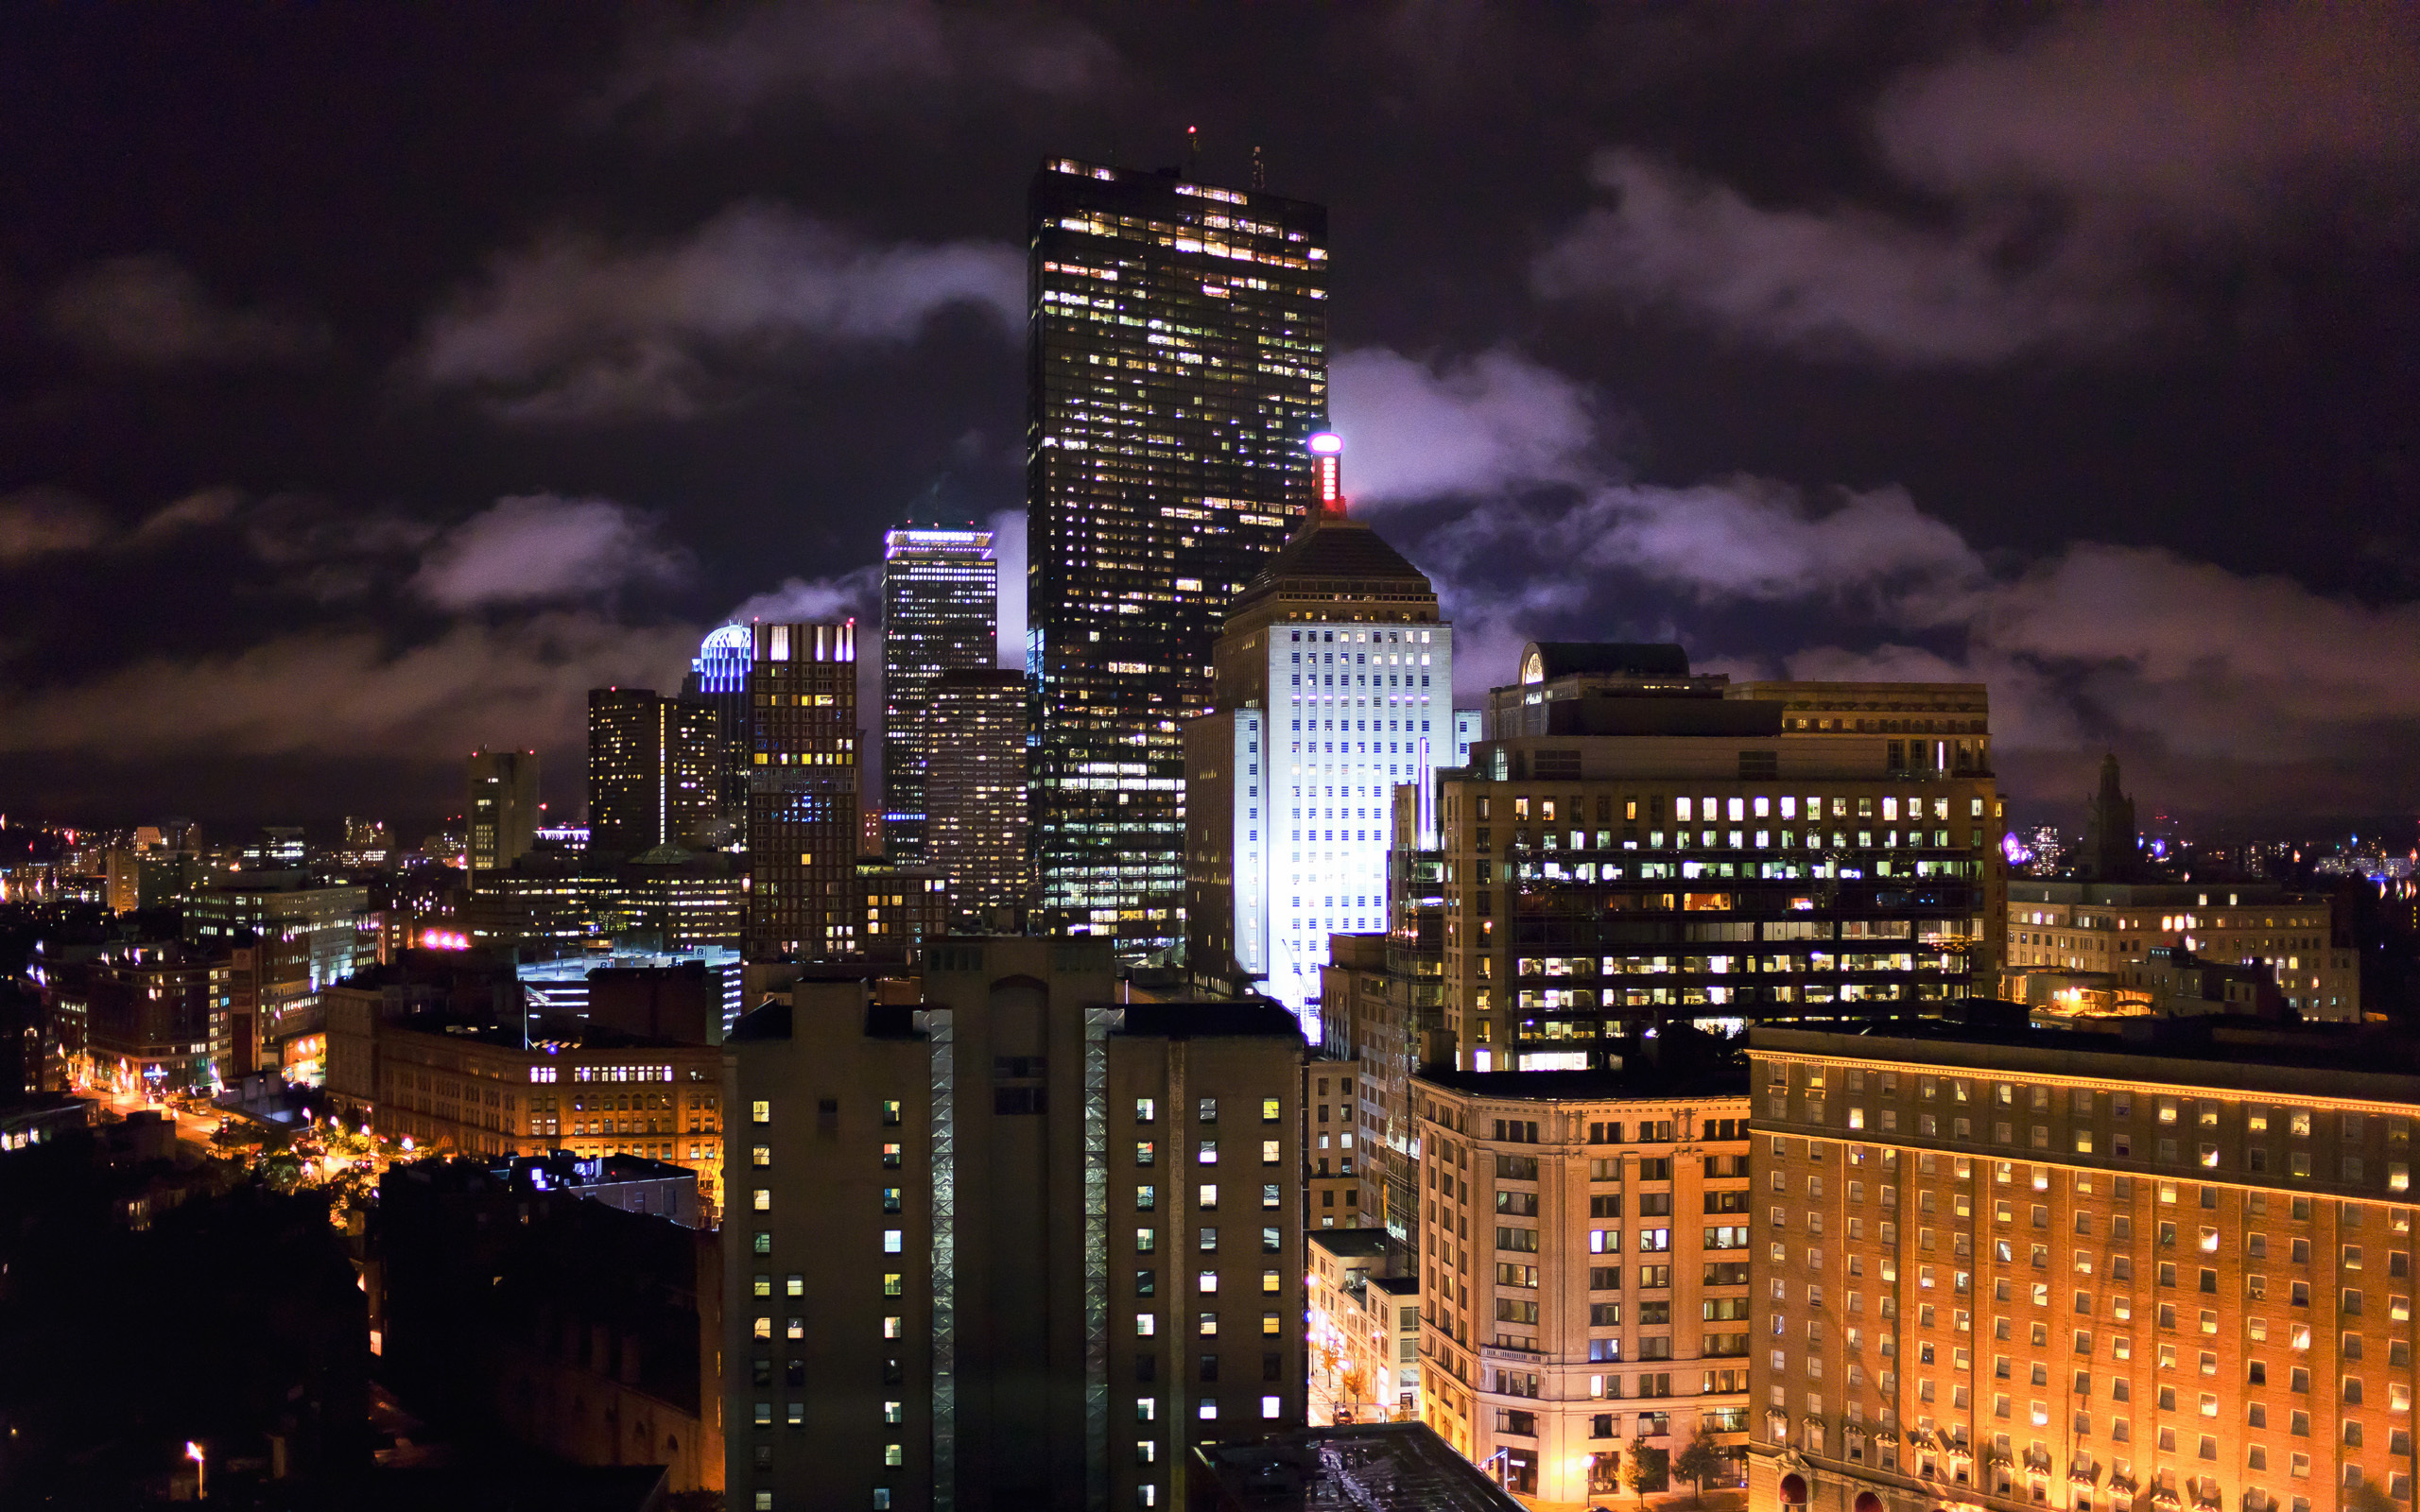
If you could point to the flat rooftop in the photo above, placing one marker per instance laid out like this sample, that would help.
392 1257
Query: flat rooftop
1360 1468
2203 1050
1636 1080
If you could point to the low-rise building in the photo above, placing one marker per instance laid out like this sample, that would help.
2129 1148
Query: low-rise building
554 1308
1585 1264
419 1066
1363 1468
2301 941
1364 1323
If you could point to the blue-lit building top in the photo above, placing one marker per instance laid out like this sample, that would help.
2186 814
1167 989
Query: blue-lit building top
721 663
718 678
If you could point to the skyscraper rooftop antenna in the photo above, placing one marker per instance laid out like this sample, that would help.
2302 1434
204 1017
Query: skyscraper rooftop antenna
1193 151
1259 170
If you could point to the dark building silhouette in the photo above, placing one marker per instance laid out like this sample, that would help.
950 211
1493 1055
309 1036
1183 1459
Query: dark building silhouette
2110 851
1009 1246
654 772
531 1300
500 807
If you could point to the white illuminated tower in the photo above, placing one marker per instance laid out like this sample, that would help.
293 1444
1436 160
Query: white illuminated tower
1335 685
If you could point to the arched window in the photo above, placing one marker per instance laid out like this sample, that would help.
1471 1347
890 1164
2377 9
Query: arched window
1793 1490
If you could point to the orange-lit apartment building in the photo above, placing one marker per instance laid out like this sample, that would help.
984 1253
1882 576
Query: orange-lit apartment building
2004 1268
1583 1268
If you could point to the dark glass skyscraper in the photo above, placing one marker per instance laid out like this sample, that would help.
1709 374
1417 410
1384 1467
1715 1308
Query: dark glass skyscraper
940 594
654 771
1179 362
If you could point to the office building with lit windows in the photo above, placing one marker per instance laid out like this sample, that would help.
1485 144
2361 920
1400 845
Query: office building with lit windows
1335 681
500 809
1178 363
1636 843
1011 1244
1584 1268
940 593
654 772
803 792
2010 1267
974 793
718 681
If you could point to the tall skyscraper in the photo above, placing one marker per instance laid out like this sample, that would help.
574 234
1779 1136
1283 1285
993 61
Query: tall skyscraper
803 792
501 807
1178 361
719 681
654 771
974 791
1335 682
940 595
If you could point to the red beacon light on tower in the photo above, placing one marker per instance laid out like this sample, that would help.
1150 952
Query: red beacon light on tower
1327 470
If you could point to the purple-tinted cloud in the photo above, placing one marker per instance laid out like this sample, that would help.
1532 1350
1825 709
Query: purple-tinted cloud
2069 174
851 595
575 330
535 548
1481 424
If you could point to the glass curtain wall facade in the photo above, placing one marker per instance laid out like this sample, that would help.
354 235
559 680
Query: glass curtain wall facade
940 593
1179 362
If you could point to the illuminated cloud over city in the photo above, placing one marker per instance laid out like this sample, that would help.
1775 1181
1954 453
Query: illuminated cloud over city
2062 350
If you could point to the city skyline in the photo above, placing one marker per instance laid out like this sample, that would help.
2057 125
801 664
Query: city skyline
1796 894
1678 322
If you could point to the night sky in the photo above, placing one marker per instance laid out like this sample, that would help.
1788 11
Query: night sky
378 378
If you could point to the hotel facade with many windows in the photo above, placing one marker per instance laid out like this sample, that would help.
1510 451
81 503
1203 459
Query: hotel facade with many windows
2004 1268
1583 1268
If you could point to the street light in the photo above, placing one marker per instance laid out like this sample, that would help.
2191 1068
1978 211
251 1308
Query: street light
200 1471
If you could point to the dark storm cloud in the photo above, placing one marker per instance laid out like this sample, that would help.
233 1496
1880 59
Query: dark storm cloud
574 329
39 522
352 694
888 56
150 311
2066 177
